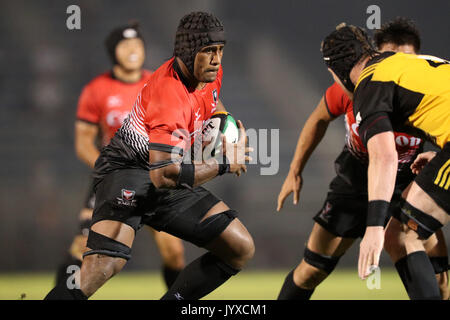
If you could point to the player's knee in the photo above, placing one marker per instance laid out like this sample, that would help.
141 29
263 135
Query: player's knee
247 248
101 267
242 251
307 276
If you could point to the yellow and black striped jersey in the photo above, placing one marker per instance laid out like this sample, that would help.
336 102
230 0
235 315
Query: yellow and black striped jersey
413 91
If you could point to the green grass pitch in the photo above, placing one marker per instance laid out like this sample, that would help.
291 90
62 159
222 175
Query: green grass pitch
248 285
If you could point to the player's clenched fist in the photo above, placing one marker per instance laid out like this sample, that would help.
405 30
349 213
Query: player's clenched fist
237 153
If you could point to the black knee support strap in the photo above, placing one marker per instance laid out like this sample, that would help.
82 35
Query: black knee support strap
212 227
422 223
323 262
204 232
100 244
440 264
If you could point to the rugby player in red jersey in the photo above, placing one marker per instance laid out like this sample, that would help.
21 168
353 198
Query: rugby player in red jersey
103 105
146 176
342 218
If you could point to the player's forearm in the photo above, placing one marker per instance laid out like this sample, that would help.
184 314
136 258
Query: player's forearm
206 171
175 175
85 147
381 176
88 153
311 135
382 171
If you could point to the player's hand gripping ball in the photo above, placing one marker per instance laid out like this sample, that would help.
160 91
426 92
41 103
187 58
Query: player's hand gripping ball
220 123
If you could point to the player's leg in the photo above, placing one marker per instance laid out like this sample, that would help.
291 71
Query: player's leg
229 251
435 248
108 248
199 217
340 221
321 256
425 210
172 253
235 244
121 199
421 217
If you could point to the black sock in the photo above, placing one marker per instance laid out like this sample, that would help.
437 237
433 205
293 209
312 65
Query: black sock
290 291
418 276
199 278
61 273
170 275
61 292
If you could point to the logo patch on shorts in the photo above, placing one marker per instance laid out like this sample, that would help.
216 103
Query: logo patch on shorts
412 224
325 213
127 198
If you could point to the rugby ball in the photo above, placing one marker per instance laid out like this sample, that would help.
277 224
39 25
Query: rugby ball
220 123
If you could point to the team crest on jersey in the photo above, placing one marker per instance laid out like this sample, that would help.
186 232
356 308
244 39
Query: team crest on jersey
324 214
215 97
114 102
127 198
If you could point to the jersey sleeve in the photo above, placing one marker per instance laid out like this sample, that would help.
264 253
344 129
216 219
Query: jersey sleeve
88 110
373 106
166 123
336 100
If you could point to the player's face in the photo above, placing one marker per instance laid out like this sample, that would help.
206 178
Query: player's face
207 63
405 48
130 54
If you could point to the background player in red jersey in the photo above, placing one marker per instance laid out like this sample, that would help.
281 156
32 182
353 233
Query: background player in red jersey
146 176
103 105
343 216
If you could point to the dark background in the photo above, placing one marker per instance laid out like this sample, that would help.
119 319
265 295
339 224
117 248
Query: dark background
273 78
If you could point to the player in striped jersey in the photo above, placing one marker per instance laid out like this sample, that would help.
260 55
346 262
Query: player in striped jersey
103 105
145 176
343 217
395 91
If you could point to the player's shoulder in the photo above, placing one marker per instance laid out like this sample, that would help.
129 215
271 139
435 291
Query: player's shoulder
335 90
164 85
337 100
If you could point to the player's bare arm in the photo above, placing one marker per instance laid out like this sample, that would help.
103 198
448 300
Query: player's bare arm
311 135
85 137
169 176
383 161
